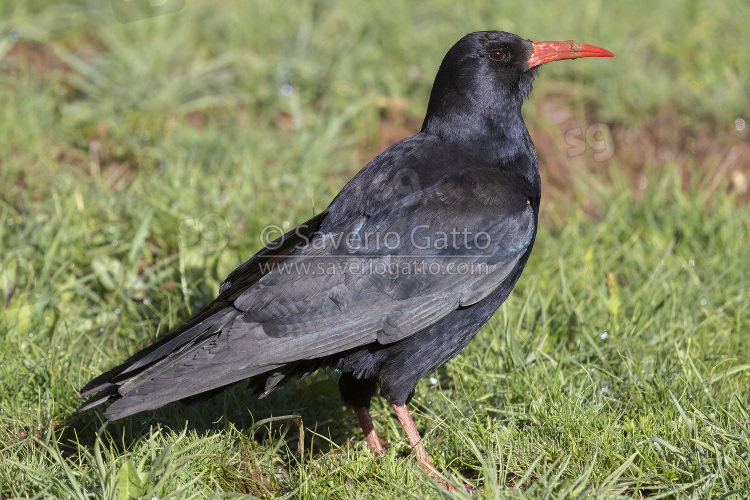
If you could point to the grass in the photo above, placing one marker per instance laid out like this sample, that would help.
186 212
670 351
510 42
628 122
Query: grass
141 162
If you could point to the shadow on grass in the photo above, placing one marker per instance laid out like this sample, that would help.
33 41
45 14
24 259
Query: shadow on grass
313 408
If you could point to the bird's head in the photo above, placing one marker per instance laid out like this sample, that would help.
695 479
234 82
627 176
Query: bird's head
492 72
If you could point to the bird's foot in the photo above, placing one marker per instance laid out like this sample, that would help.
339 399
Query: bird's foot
429 468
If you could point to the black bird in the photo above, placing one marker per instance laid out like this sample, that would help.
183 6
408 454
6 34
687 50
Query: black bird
395 277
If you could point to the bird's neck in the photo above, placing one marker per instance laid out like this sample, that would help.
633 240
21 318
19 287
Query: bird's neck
486 127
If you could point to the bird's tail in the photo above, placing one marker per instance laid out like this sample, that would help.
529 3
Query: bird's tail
105 387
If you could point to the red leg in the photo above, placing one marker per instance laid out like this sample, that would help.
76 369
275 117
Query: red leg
416 443
371 435
414 439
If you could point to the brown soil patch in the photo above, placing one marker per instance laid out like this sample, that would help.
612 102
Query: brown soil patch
703 151
39 58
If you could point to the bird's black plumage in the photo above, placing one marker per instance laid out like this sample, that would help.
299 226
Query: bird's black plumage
471 171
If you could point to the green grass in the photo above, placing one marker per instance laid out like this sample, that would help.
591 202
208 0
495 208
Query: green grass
139 164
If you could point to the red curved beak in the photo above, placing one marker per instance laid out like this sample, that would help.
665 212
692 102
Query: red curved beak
545 52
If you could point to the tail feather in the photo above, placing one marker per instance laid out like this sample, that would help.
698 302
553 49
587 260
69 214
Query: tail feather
104 393
155 352
209 326
106 386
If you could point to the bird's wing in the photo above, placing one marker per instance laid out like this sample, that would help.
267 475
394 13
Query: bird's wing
342 291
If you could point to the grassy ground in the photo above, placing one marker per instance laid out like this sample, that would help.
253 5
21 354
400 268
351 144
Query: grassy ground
140 163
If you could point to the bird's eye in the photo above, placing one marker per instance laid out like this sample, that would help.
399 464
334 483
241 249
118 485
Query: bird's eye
497 55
